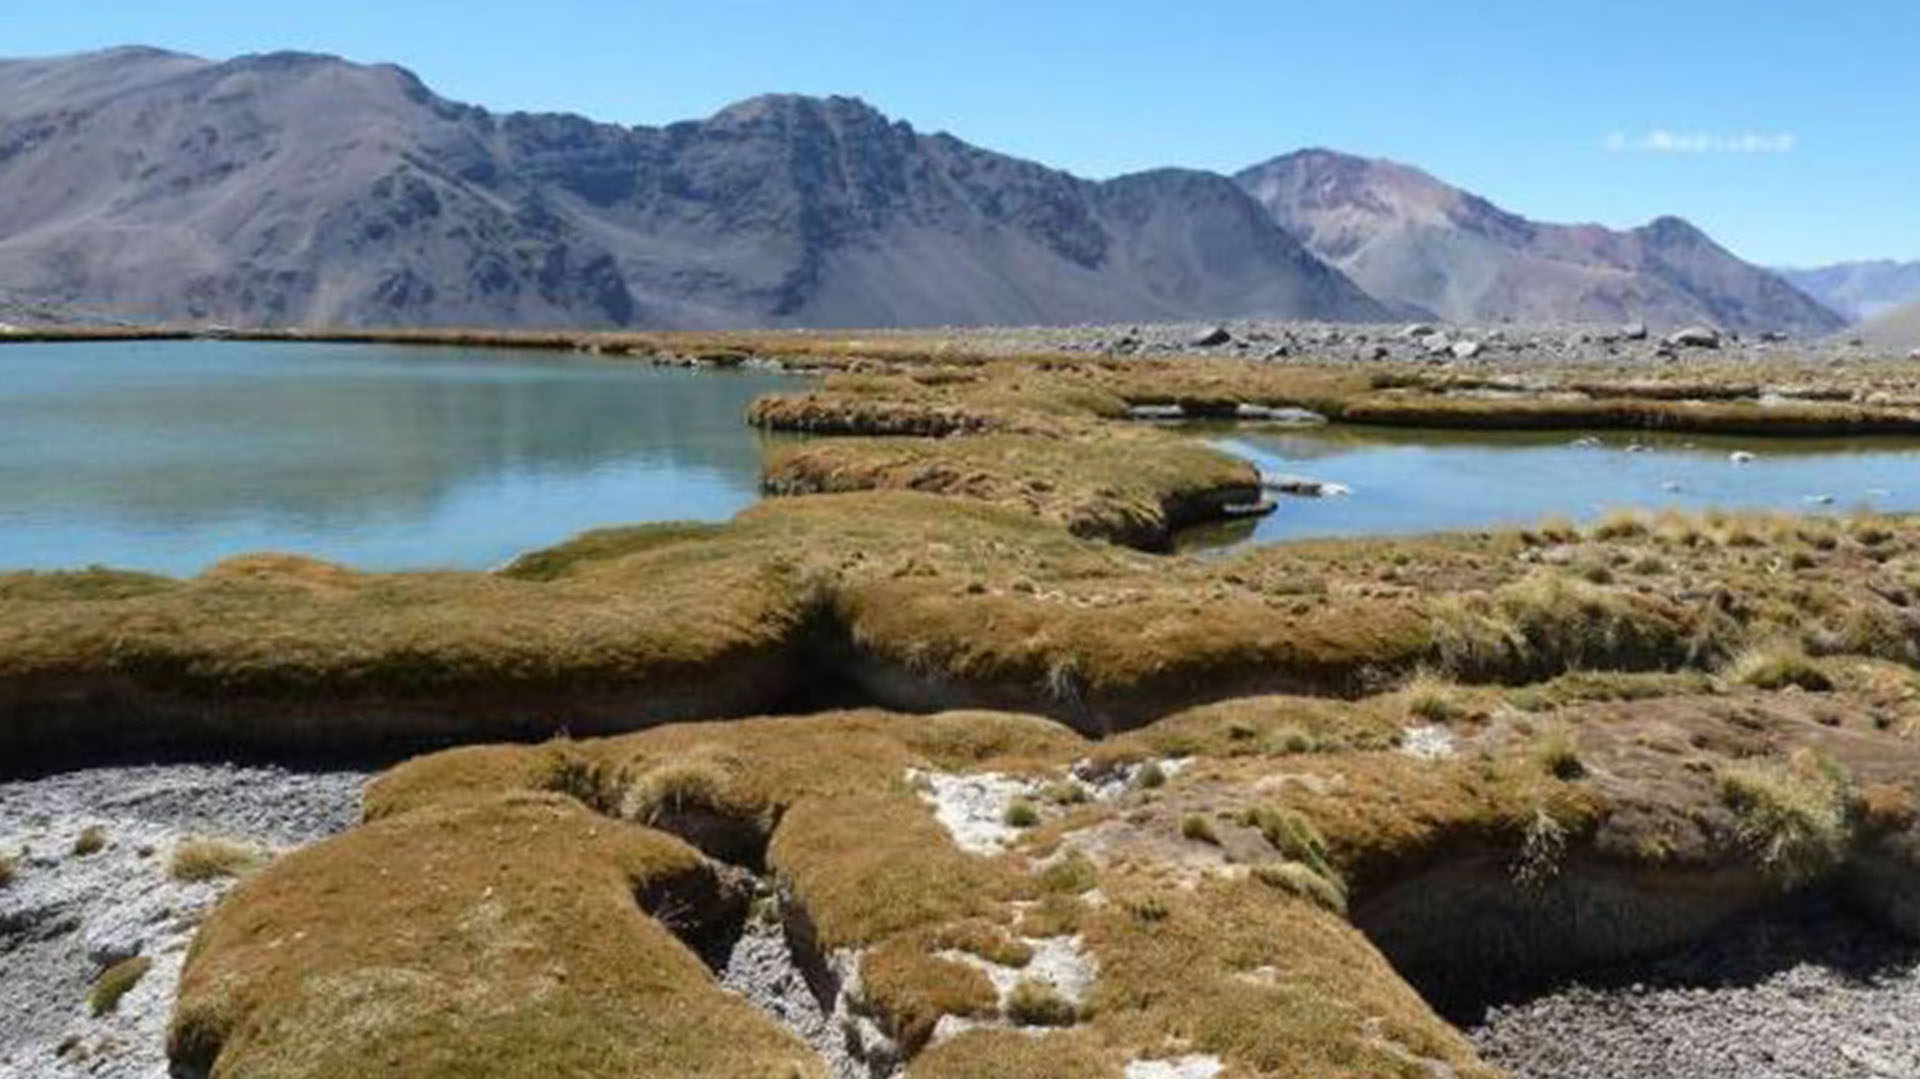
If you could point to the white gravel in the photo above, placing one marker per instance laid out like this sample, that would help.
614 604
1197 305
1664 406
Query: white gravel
973 807
1194 1066
66 917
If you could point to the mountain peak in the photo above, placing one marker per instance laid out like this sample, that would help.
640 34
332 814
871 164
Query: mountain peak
787 107
1410 238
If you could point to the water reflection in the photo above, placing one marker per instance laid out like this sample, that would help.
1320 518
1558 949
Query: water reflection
170 455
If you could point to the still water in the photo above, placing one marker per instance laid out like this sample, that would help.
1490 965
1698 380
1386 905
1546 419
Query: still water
1405 481
168 456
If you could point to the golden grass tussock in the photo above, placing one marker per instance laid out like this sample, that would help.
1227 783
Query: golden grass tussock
502 937
922 602
1132 488
1778 664
1795 815
911 990
201 859
1270 983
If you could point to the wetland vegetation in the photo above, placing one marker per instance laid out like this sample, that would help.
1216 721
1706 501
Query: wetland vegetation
1020 789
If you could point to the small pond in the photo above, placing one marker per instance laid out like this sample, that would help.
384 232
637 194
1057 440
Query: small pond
1409 481
168 456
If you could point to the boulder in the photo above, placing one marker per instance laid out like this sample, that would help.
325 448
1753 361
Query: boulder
1212 338
1694 337
1634 331
1466 350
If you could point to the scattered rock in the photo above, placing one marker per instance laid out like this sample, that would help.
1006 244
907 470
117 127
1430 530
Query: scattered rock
1428 742
1634 331
1740 457
1212 338
1187 1067
1465 350
1694 337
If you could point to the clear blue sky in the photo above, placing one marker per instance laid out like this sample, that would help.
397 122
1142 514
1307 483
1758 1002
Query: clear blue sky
1791 131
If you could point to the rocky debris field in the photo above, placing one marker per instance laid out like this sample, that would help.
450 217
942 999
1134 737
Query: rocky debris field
1815 992
95 885
1422 342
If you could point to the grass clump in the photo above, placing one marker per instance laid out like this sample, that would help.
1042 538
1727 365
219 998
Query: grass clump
1558 753
1301 879
116 982
485 937
198 860
92 840
1293 836
1034 1003
9 868
1620 525
1433 698
1149 776
1197 827
1072 873
911 990
1777 665
1021 814
1795 815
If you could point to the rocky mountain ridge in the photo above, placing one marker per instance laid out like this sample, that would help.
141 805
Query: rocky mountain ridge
299 190
293 189
1410 238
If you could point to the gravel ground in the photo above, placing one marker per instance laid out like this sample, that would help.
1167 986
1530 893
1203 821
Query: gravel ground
1437 343
1818 995
67 916
762 969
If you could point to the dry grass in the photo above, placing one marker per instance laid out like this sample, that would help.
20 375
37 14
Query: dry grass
910 990
1034 1003
493 937
1777 665
92 840
205 859
1795 815
1132 488
928 601
1272 984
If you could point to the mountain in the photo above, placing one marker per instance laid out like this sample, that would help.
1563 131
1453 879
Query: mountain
1898 328
303 190
1859 290
1407 237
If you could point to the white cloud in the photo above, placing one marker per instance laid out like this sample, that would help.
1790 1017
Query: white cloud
1661 141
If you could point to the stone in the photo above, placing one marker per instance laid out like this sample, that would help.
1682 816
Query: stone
1634 331
1466 350
1694 337
1416 331
1212 338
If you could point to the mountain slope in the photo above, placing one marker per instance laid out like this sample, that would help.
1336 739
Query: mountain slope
1407 237
1859 290
293 189
1898 328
